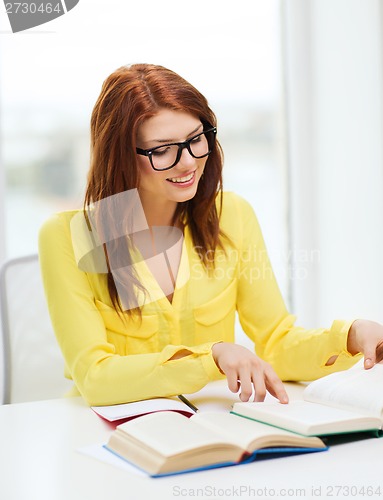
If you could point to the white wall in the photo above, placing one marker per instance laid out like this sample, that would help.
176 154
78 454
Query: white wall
2 255
2 203
333 55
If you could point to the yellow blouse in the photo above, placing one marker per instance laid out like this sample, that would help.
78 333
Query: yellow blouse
115 360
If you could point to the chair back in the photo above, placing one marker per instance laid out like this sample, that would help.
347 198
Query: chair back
33 363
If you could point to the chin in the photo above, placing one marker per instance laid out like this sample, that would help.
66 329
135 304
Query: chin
186 195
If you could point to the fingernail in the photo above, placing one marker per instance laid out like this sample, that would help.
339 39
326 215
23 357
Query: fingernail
368 363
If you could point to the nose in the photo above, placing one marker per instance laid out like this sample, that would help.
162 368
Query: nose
186 160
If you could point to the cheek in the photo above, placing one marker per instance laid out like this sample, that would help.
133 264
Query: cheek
148 176
144 166
146 172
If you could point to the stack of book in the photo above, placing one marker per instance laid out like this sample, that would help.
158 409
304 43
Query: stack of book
165 436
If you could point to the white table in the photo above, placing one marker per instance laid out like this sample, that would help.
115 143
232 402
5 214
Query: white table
39 461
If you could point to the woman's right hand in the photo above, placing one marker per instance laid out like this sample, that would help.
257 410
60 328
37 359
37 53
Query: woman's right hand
247 372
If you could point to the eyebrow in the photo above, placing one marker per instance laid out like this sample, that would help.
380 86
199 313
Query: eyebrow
169 141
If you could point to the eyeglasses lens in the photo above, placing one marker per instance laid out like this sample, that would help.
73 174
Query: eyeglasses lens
166 156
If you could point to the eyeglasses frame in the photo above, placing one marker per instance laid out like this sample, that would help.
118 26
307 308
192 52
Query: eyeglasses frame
181 147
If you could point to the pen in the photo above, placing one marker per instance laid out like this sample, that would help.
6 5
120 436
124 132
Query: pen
187 402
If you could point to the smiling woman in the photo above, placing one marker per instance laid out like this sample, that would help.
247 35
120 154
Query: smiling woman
124 335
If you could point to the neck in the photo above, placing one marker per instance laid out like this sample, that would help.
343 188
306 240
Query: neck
159 213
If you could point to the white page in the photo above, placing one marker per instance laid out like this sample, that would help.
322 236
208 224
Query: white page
170 433
356 388
126 410
239 430
300 416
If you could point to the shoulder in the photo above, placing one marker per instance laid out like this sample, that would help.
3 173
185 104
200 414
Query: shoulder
57 227
66 238
235 209
238 220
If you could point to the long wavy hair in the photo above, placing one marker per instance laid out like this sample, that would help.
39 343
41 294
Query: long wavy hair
129 96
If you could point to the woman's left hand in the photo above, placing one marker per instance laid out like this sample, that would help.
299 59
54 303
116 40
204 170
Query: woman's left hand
366 337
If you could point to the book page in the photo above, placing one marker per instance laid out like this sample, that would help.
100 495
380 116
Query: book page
306 418
129 410
357 389
171 433
243 431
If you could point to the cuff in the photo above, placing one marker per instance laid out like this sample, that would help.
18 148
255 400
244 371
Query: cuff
339 333
203 351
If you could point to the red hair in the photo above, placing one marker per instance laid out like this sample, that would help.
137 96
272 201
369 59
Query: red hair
129 96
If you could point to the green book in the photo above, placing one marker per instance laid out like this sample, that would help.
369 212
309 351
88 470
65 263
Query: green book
350 401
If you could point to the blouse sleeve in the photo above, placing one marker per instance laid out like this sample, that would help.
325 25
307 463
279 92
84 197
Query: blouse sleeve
102 376
295 353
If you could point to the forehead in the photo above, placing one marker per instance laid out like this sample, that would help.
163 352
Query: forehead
167 125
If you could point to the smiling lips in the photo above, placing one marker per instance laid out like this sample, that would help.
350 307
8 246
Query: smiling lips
183 181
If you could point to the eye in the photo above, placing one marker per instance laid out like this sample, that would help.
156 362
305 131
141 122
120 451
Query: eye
161 151
197 138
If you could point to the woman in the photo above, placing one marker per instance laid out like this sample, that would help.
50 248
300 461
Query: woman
143 284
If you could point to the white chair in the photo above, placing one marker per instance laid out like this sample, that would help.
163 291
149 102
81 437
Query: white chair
32 360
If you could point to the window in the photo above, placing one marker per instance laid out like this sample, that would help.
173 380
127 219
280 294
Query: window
52 75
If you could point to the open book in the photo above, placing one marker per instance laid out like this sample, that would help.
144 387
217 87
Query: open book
342 402
168 443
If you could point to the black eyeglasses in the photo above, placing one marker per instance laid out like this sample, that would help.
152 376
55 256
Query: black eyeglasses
167 156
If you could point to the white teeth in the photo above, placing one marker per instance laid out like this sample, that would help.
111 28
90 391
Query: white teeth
182 179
